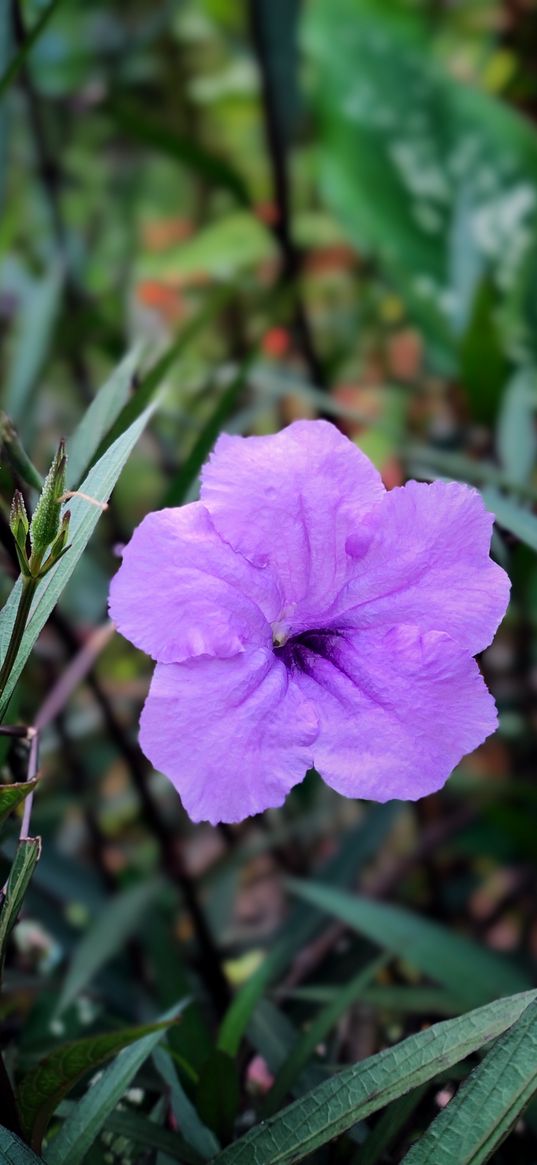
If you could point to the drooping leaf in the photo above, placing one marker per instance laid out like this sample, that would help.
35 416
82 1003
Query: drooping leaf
186 151
152 1136
42 1089
83 1125
476 1121
13 795
356 1092
471 973
512 516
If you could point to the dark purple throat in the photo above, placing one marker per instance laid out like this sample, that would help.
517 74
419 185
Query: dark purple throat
300 651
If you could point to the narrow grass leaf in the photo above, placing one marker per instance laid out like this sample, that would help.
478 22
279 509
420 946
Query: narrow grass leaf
146 391
118 920
150 1135
471 973
316 1032
24 863
81 1128
195 1132
30 39
388 1127
487 1104
100 416
513 517
98 485
368 1086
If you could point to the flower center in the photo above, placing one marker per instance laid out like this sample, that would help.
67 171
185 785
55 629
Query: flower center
299 652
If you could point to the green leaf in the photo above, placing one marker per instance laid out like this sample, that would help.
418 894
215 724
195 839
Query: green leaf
33 335
186 151
218 1094
100 416
316 1032
355 1093
512 516
26 857
41 1090
14 1152
199 1137
389 1126
106 935
81 1128
223 249
516 436
13 795
30 39
471 973
98 485
145 393
152 1136
302 925
487 1104
188 473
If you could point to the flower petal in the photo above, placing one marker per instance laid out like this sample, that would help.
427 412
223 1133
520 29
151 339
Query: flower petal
181 591
422 557
232 735
290 501
398 709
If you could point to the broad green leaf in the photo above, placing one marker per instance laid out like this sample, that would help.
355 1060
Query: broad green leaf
26 857
107 934
487 1104
30 39
471 973
13 795
516 435
98 485
316 1032
397 171
100 416
355 1093
81 1128
302 924
42 1089
13 1151
222 249
147 389
145 1132
195 1132
186 151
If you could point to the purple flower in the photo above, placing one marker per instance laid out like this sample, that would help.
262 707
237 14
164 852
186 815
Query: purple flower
302 617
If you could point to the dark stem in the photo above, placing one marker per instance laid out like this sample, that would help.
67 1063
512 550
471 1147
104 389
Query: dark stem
277 148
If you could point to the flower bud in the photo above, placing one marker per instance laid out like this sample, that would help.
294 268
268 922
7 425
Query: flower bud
15 455
45 525
18 519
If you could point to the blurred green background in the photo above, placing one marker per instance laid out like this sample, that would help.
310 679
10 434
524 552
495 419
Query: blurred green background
279 210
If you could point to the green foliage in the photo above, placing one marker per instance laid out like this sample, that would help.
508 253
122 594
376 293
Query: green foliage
487 1105
353 1094
26 857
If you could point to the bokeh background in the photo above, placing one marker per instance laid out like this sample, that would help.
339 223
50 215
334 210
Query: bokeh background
291 210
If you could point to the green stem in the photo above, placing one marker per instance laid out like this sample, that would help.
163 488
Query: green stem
28 590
